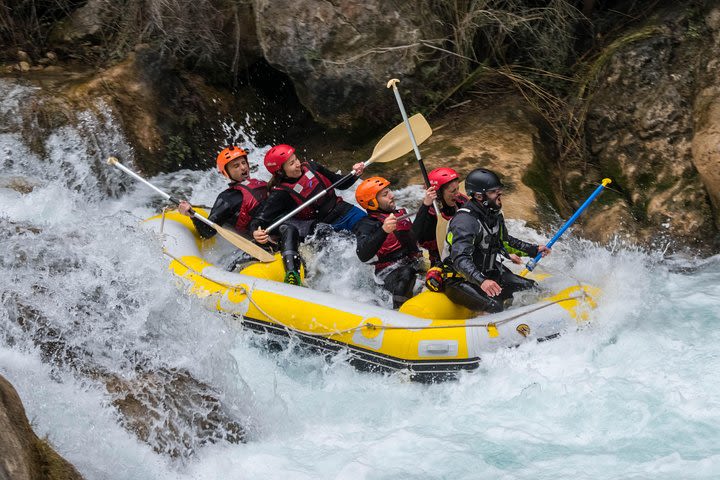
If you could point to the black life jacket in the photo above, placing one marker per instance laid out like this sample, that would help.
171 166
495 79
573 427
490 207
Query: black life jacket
431 245
485 252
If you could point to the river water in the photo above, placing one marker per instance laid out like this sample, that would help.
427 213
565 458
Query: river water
633 394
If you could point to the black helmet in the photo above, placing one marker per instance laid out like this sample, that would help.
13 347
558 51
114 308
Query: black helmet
481 180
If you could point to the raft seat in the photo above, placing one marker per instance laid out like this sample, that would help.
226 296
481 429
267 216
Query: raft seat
435 306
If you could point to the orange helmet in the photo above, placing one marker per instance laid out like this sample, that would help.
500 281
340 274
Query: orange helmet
368 190
228 155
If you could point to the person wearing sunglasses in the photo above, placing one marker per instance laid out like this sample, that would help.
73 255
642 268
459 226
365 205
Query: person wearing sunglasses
472 274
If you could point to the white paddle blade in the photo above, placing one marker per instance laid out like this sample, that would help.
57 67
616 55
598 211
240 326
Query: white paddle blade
397 143
441 232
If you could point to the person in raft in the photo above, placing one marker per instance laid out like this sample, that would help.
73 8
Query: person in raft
293 183
446 183
236 206
384 234
472 274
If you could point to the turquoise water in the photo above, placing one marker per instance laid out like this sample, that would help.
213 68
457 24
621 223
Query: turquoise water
632 394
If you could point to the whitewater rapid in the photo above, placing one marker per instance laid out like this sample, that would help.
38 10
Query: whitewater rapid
633 394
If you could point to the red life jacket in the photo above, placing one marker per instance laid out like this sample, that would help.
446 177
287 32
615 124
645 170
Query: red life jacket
431 245
310 183
254 193
397 244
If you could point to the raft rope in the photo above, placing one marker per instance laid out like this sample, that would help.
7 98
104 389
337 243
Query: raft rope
368 325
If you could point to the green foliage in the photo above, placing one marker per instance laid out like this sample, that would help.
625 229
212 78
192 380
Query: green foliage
177 151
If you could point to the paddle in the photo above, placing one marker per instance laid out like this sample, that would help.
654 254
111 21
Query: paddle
441 227
532 263
393 145
242 243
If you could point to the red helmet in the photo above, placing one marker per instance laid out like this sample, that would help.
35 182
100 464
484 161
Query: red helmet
228 155
277 156
367 191
441 176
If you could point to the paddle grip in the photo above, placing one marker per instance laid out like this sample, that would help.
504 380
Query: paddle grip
393 83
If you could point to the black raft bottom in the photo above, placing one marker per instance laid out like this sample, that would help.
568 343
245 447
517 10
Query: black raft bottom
426 371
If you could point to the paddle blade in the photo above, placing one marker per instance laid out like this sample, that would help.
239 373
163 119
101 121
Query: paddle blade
441 232
245 245
397 143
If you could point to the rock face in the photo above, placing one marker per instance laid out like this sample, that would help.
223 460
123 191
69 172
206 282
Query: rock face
706 116
23 456
503 137
340 54
170 118
219 34
650 130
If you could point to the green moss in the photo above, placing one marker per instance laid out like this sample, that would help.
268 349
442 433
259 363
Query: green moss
592 72
536 177
51 465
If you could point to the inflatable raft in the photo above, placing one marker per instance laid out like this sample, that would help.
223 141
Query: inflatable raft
429 338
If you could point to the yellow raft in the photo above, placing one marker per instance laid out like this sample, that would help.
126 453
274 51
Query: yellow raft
429 337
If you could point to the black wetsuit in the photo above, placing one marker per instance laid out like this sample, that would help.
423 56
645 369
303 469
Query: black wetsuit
225 212
476 235
397 268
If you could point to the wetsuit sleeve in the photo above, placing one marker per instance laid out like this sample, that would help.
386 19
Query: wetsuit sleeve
516 246
334 177
424 224
275 206
463 233
224 212
370 237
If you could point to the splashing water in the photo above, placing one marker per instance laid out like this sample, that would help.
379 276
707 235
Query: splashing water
86 296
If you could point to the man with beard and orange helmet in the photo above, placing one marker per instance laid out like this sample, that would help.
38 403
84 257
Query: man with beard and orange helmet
388 236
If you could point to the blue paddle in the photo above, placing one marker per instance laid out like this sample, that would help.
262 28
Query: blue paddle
530 266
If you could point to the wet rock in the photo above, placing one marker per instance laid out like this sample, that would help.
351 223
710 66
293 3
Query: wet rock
706 118
504 136
22 56
84 24
173 412
341 54
52 56
166 407
23 456
649 130
19 184
24 67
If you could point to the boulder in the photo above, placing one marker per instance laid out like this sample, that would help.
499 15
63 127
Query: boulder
653 135
706 117
23 456
341 54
